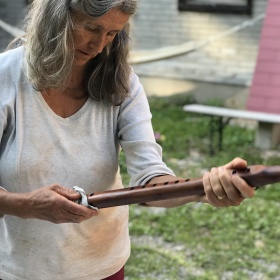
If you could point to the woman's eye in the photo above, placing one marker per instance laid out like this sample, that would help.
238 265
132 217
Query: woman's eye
91 29
113 34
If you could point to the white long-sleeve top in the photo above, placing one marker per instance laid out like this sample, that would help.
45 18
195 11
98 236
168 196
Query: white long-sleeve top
39 148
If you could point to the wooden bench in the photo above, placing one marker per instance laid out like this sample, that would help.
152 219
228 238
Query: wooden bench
267 132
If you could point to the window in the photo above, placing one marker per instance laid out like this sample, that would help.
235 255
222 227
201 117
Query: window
217 6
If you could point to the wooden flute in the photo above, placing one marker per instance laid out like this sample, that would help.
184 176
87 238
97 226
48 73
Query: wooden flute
256 176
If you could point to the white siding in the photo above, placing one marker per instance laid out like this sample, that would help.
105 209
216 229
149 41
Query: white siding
230 60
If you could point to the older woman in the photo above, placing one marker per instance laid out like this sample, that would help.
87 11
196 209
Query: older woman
69 101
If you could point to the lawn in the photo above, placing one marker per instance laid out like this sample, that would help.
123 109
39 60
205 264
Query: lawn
198 241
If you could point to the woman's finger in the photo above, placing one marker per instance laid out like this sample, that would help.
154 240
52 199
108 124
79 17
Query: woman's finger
229 188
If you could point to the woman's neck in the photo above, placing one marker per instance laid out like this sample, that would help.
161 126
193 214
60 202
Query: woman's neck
76 79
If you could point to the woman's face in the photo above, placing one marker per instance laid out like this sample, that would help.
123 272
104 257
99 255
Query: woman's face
91 35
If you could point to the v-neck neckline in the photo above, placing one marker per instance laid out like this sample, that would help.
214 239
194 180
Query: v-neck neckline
50 110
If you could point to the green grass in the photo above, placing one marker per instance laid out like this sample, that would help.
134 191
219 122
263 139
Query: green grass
198 241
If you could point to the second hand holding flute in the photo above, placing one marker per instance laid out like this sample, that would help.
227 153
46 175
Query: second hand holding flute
255 175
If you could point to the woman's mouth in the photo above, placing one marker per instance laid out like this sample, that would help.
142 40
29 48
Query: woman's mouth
84 53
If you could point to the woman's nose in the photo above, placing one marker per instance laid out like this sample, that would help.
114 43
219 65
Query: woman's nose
99 43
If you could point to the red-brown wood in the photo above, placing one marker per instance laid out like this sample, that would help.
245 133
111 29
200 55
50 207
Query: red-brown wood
255 176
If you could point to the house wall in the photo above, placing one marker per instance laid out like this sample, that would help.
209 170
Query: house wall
230 60
264 93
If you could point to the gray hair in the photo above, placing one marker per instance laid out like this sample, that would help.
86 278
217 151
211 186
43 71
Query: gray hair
49 55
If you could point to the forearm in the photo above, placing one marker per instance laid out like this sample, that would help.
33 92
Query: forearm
51 203
169 203
11 203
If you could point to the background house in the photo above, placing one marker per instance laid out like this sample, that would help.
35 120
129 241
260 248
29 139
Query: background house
228 61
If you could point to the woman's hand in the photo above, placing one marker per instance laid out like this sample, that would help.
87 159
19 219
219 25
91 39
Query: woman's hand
223 189
52 203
